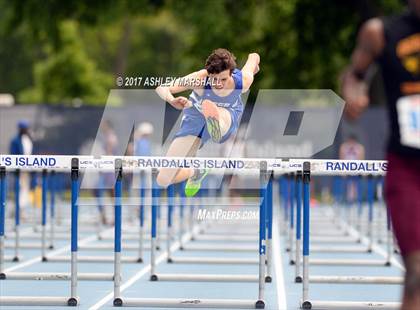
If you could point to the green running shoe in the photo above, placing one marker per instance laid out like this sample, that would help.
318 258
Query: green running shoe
194 183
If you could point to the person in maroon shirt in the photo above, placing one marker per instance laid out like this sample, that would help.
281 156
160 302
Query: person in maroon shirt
394 44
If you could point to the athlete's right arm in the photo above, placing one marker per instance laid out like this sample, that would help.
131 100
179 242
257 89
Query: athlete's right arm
189 82
354 83
250 68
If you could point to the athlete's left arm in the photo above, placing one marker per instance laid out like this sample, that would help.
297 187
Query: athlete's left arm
250 68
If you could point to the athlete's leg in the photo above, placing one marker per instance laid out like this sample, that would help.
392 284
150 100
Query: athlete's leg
186 146
402 193
218 120
411 299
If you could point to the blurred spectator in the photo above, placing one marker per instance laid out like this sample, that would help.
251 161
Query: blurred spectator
22 144
142 147
108 138
108 141
351 149
142 141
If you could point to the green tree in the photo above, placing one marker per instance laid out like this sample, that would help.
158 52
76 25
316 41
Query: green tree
68 74
85 44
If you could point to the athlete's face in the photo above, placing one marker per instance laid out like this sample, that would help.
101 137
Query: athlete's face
415 6
219 80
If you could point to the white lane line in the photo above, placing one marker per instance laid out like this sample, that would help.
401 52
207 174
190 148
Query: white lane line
140 274
53 253
278 267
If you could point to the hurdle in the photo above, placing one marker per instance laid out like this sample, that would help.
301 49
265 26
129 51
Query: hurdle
139 236
17 245
232 247
340 186
216 260
64 163
71 300
282 186
121 164
203 235
352 238
291 212
53 276
299 178
224 247
17 214
48 185
141 215
320 167
265 178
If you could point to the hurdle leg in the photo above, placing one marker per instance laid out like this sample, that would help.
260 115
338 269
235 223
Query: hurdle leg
171 196
395 244
58 209
283 218
141 241
288 207
292 220
355 201
306 240
155 201
52 209
389 239
117 233
269 211
347 200
158 226
342 200
74 300
44 214
284 200
277 203
2 218
262 242
17 214
34 214
181 214
359 205
141 216
101 211
298 276
336 199
370 215
379 213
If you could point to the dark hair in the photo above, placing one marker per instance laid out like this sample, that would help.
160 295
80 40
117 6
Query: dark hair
220 60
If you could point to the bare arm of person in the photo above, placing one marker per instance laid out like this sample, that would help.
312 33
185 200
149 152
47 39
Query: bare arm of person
354 87
250 68
192 81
